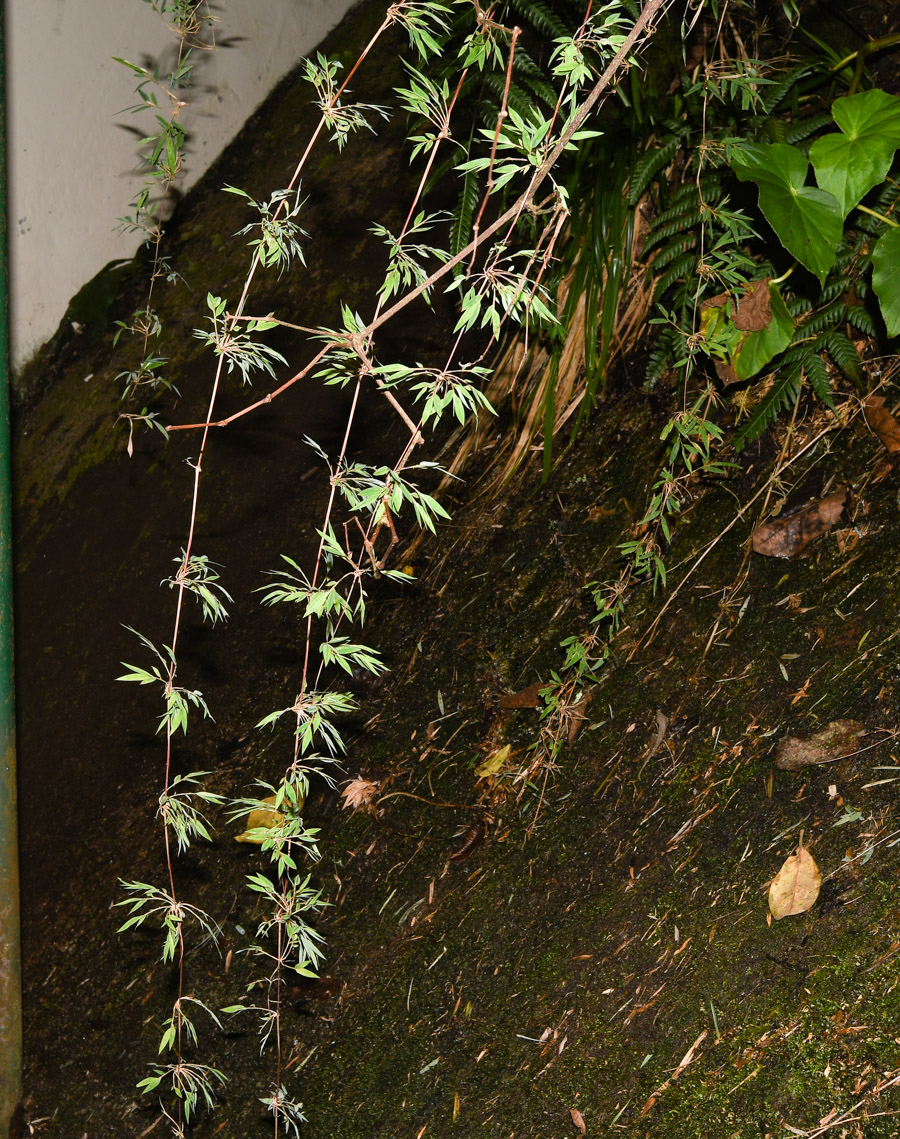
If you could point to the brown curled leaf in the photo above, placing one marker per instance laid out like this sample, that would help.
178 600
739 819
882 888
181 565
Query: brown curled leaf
578 1119
754 312
882 422
796 886
527 698
576 718
787 537
837 739
726 373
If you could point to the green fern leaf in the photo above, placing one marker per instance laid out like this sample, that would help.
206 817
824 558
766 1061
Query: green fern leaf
782 393
778 92
461 227
801 129
817 374
541 18
648 166
860 318
843 351
677 270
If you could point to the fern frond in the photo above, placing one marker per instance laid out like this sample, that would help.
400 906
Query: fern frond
782 394
801 129
678 269
534 78
684 222
775 95
817 374
672 251
822 320
516 98
662 355
860 318
541 18
835 289
797 306
649 165
843 351
888 196
461 226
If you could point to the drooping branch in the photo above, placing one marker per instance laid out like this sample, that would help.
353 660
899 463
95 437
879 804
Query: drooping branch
525 201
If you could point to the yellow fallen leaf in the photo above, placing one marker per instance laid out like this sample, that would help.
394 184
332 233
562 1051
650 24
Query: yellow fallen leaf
494 763
262 818
795 887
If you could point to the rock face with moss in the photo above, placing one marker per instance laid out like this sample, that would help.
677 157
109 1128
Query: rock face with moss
588 951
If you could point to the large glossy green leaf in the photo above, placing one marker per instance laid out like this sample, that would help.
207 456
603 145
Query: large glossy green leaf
758 348
886 279
849 162
808 221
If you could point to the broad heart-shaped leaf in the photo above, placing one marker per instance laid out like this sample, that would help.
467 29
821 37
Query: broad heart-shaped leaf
758 348
886 279
849 162
808 222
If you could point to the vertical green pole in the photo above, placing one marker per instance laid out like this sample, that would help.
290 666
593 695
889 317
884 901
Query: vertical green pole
10 961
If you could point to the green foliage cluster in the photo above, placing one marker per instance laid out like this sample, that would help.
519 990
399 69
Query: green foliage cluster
551 214
818 261
824 253
497 253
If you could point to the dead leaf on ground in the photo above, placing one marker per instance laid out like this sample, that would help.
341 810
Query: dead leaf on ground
494 763
835 740
796 886
754 313
661 726
787 537
528 697
260 819
577 718
359 794
882 422
578 1119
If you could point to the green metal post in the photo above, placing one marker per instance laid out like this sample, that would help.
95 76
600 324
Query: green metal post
10 960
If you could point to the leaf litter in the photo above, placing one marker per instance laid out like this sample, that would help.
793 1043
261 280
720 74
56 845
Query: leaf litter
795 887
786 537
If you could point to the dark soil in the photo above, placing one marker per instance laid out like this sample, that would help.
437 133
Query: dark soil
603 948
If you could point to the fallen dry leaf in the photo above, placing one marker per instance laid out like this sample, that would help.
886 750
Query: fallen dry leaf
754 313
262 818
726 373
787 537
882 422
358 794
796 886
528 697
576 718
494 763
578 1119
835 740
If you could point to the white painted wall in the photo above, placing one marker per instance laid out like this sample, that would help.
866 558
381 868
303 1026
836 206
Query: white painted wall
73 170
